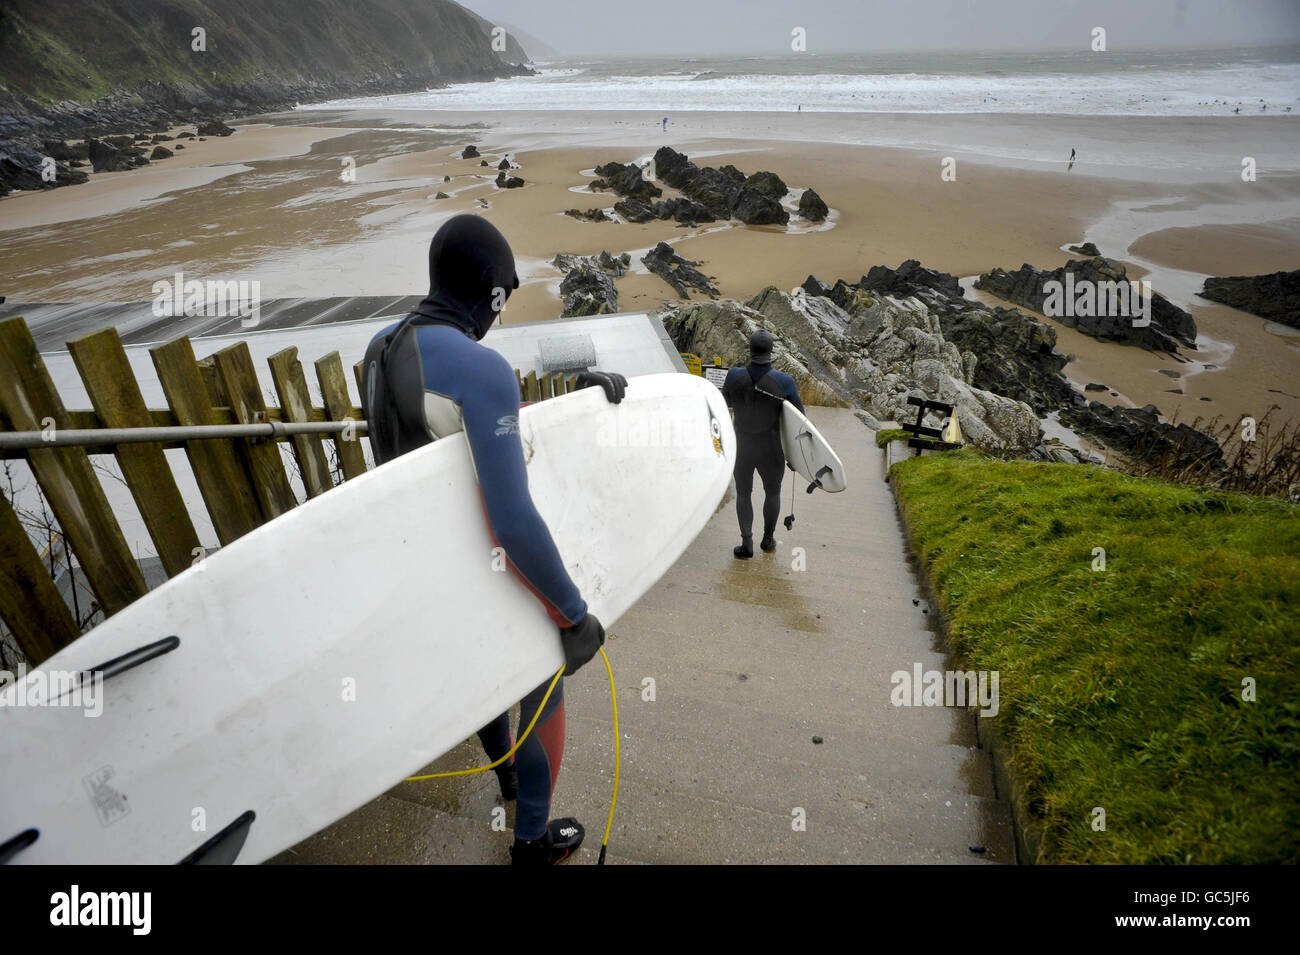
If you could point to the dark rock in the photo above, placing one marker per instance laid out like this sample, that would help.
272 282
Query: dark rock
470 152
754 208
768 183
1275 297
1087 249
678 272
1015 355
589 215
910 278
673 167
441 195
185 135
716 191
484 163
683 210
812 208
180 145
812 285
215 128
504 164
1142 436
634 210
731 172
514 182
61 151
446 178
588 291
106 158
615 265
1012 354
161 152
1170 326
1095 386
160 138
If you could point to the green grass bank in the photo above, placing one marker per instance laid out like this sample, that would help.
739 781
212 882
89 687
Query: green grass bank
1123 688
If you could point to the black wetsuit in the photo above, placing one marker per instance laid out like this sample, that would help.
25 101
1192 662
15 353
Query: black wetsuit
755 393
433 380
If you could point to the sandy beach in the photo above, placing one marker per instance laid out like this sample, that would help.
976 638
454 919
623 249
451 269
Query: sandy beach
269 204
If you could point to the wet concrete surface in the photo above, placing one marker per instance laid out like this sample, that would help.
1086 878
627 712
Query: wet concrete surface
771 705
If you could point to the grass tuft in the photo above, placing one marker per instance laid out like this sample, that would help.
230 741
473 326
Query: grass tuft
1124 688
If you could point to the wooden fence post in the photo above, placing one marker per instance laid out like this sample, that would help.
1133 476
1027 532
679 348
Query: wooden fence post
338 407
234 365
230 498
295 405
101 360
30 402
30 603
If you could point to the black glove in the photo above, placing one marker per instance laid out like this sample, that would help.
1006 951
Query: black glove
615 385
581 642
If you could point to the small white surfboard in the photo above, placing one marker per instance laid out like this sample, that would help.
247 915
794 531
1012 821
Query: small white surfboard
808 452
304 669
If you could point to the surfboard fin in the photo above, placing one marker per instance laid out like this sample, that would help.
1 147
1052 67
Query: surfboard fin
127 661
17 844
223 848
817 478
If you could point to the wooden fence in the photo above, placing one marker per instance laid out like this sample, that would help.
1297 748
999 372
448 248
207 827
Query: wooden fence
243 481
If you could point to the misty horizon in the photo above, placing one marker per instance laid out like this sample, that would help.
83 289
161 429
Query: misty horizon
762 27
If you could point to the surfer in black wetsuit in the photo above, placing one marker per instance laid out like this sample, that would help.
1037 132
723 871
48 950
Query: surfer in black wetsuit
754 394
427 377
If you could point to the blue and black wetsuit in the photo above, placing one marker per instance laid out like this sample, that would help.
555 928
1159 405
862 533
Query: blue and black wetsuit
754 394
439 380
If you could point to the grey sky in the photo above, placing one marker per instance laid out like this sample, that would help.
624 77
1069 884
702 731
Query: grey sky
755 26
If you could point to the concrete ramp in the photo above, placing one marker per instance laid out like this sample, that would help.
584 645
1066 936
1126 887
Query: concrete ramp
751 663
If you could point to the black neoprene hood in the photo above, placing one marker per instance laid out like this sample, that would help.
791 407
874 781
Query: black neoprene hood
471 274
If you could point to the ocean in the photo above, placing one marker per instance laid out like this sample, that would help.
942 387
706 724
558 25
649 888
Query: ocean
1151 83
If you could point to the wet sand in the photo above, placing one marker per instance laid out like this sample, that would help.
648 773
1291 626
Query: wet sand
269 204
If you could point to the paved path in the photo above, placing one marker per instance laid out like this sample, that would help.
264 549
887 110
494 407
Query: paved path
751 660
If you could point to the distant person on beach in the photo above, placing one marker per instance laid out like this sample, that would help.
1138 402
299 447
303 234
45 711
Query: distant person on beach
427 377
665 124
1071 154
754 394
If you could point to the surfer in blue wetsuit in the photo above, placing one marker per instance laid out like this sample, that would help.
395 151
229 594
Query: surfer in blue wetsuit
754 394
427 377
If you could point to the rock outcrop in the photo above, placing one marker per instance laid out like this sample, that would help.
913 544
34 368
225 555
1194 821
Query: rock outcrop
726 192
871 356
1010 353
812 208
678 272
626 180
588 285
215 128
589 215
1078 300
1275 297
1139 434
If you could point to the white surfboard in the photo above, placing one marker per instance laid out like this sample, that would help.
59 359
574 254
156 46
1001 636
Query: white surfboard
808 452
320 659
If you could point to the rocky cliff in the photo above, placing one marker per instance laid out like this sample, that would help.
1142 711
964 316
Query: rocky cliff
69 68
